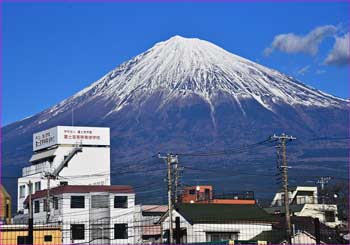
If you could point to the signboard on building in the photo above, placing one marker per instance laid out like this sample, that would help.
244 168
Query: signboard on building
70 135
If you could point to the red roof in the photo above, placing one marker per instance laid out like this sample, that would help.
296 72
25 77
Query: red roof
83 189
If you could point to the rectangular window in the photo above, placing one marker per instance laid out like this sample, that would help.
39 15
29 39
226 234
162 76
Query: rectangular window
77 202
100 201
63 182
36 206
120 231
77 231
221 236
22 240
120 202
47 238
37 186
45 205
55 202
329 215
192 192
22 191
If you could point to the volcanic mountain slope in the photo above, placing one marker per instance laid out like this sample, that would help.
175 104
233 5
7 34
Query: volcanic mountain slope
186 93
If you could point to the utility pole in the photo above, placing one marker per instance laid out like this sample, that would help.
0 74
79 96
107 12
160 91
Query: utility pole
170 160
48 176
30 220
282 139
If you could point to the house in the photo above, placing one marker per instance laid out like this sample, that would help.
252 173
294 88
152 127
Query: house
68 155
205 194
90 213
5 206
151 230
42 234
218 222
303 232
303 201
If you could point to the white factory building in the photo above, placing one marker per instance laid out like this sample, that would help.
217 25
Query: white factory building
66 155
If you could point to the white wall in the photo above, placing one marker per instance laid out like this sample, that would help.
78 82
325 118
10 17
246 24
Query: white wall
197 232
89 167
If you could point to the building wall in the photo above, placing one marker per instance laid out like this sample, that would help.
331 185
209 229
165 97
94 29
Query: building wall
89 167
10 233
318 211
5 206
197 232
88 216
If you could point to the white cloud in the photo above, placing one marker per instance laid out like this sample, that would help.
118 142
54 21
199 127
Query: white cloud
302 71
340 53
308 44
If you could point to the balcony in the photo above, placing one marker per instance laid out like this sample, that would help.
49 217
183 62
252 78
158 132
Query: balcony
37 168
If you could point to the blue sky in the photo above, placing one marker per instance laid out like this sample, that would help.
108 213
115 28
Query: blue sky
53 50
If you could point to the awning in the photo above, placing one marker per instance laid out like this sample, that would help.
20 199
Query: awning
43 155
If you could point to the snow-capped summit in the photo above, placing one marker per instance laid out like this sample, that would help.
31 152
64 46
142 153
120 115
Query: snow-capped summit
181 67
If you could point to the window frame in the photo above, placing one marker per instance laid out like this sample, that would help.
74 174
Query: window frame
77 228
74 204
36 206
122 235
37 186
22 191
118 204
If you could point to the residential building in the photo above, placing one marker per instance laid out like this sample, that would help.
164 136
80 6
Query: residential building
5 206
90 213
151 229
303 233
201 222
205 194
303 201
67 155
42 234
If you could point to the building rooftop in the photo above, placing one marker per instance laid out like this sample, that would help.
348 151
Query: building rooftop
199 213
83 189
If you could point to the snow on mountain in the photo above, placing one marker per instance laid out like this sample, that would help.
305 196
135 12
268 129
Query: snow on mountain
182 67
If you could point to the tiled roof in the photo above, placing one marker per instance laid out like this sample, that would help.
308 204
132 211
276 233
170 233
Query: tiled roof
83 189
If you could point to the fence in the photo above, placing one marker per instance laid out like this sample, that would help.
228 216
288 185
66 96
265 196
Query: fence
155 230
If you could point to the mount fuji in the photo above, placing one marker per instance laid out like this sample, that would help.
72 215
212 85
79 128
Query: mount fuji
187 94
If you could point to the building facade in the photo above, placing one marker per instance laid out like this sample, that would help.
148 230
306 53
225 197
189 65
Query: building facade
303 202
66 155
5 206
90 214
215 223
205 194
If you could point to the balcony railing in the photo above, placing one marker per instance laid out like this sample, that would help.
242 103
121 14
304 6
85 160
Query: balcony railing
37 168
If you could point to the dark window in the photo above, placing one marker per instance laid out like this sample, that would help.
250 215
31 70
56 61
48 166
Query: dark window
330 217
36 206
45 205
48 238
77 202
192 192
22 240
55 202
7 214
78 231
120 202
37 186
120 231
64 183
